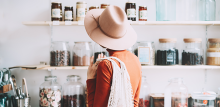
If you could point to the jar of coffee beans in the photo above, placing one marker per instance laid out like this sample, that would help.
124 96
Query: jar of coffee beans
60 54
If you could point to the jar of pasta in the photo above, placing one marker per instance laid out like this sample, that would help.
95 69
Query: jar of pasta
213 52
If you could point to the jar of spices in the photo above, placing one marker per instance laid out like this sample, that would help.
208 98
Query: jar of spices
56 11
93 7
82 52
204 99
142 13
81 9
60 54
104 6
68 13
144 98
130 9
50 92
167 54
73 92
193 52
213 52
145 51
98 50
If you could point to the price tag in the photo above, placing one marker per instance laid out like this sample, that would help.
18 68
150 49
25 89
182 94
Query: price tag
80 22
68 22
56 22
141 22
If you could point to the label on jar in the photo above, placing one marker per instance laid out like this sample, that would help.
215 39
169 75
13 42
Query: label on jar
81 12
143 14
170 57
56 13
68 15
5 77
131 13
144 55
213 54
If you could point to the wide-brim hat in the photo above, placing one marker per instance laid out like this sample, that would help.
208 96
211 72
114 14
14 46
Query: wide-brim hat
110 28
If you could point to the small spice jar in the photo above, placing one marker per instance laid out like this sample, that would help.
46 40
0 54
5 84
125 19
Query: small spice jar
145 51
56 11
104 6
193 52
142 13
93 7
130 9
81 9
213 52
167 54
68 13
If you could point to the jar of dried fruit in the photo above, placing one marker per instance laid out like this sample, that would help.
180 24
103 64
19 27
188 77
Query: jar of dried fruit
144 97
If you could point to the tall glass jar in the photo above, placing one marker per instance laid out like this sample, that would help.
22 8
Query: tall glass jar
145 51
166 10
50 92
98 50
210 10
73 92
144 98
60 54
204 99
82 52
186 10
201 10
193 52
176 94
213 52
167 54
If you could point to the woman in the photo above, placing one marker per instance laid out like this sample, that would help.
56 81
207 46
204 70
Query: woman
110 29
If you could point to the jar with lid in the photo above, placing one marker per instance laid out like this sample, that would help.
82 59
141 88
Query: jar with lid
93 7
218 98
144 98
201 10
157 100
73 92
82 52
193 52
165 10
50 92
145 51
68 13
98 50
60 54
81 9
56 11
210 10
130 9
142 13
204 99
167 54
176 94
104 6
213 52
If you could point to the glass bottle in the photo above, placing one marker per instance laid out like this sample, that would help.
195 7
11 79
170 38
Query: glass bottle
201 10
144 98
50 92
210 10
60 54
176 94
73 93
166 10
98 50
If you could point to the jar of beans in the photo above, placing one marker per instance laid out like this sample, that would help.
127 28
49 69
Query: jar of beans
144 98
213 52
60 54
73 92
193 52
50 92
167 54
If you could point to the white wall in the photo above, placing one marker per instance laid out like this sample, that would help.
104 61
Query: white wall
28 45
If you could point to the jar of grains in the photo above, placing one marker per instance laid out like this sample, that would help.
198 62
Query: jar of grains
56 11
81 9
213 52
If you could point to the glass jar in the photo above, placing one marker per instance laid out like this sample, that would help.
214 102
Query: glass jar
81 9
5 100
186 10
145 51
156 100
73 92
68 13
144 98
218 98
93 7
98 50
130 9
213 52
142 13
193 52
104 6
176 94
50 92
60 54
167 54
166 10
56 11
204 99
201 10
82 52
86 97
210 10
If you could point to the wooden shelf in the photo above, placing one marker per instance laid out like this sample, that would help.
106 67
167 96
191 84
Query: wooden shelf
80 23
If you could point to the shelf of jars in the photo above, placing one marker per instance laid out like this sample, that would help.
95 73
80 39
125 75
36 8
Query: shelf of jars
80 23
